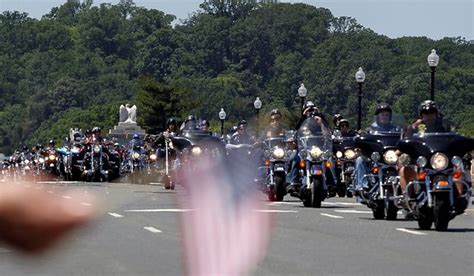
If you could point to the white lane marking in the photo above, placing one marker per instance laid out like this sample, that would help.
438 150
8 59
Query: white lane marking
276 211
410 231
152 229
66 197
353 211
116 215
86 204
159 210
283 203
156 183
341 203
331 216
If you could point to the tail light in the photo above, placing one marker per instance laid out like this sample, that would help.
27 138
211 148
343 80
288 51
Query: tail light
443 183
267 163
328 164
302 164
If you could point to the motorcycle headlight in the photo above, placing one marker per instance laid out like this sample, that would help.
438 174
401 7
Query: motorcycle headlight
404 159
439 161
41 160
153 156
315 152
390 157
75 150
52 157
27 161
96 149
375 156
350 154
196 150
457 161
421 161
135 155
278 153
338 154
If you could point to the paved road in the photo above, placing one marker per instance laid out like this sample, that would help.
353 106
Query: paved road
339 239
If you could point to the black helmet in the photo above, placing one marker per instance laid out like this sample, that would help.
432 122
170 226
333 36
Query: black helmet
171 121
52 142
382 107
337 117
96 129
88 132
427 107
242 122
275 112
24 148
205 123
344 121
39 146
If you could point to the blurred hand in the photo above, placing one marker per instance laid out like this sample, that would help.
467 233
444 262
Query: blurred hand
33 221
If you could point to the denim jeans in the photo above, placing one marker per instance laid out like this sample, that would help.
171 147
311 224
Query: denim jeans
361 169
293 176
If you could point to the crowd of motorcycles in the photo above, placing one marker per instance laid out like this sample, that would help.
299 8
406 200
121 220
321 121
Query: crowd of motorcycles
311 163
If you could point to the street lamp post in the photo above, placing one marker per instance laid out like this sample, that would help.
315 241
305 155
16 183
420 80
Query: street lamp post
302 91
433 60
222 116
258 105
360 78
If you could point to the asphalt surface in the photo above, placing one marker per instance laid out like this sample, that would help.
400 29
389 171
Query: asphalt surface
341 238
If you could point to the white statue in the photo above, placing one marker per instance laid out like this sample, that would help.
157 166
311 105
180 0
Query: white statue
128 114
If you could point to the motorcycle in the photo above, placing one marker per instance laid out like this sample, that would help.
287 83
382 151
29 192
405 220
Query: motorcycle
95 164
344 152
440 192
315 149
276 164
382 178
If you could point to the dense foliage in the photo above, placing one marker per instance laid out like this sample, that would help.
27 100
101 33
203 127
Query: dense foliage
76 65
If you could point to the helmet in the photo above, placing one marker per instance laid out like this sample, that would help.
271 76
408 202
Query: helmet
39 146
275 112
243 122
337 118
309 104
171 121
88 132
136 136
24 148
382 107
52 142
427 107
343 121
96 129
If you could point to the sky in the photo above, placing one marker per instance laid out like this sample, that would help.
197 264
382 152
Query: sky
394 18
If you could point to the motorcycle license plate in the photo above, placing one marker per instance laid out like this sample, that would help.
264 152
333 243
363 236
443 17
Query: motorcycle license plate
279 168
316 170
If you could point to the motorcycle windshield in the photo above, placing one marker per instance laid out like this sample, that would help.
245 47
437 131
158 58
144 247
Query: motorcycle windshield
344 143
426 144
377 141
279 141
313 133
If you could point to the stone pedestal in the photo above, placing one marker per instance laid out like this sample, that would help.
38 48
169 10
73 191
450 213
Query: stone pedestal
124 132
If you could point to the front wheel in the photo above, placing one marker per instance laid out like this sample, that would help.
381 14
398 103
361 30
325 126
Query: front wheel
317 192
441 213
280 189
378 211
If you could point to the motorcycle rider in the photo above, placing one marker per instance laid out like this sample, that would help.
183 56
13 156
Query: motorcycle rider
345 128
275 127
383 122
97 134
241 136
136 141
429 121
336 120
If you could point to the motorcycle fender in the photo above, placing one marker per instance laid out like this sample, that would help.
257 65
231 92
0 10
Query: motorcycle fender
316 169
279 167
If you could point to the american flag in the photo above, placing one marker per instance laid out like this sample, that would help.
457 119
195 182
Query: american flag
227 232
